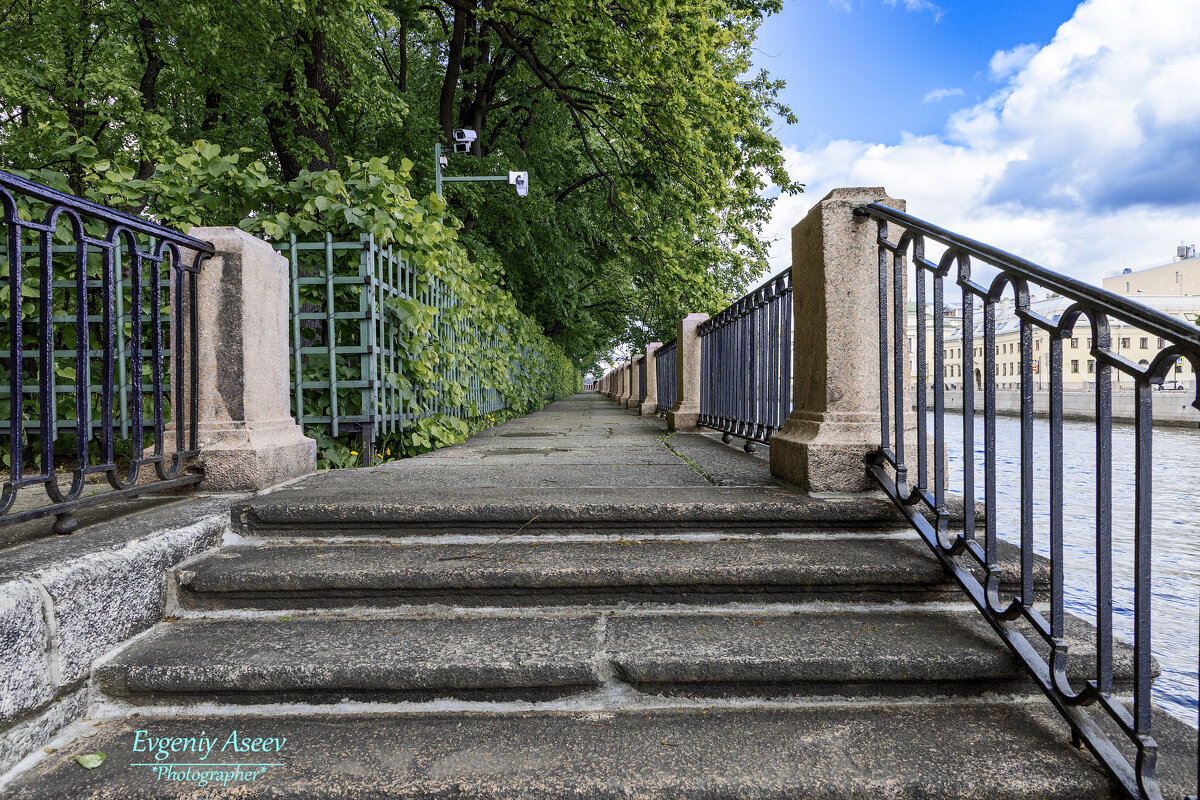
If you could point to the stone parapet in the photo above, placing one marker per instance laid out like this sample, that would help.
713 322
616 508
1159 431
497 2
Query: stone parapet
248 439
62 606
682 417
835 284
649 406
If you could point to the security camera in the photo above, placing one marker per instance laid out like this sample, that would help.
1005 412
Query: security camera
445 162
521 181
463 139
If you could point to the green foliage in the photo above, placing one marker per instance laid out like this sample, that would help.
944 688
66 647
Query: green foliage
646 135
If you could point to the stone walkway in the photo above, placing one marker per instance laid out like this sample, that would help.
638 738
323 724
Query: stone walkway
579 461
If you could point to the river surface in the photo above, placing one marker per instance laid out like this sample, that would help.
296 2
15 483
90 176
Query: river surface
1175 606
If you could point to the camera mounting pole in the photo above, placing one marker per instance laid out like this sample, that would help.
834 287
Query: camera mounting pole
517 179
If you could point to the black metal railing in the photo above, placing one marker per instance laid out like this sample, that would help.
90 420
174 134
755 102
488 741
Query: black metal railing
92 314
1117 733
746 364
664 374
641 393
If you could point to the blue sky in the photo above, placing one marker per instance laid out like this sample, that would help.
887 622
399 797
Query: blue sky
861 68
1066 132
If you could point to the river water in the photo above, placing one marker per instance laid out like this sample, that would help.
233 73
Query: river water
1175 606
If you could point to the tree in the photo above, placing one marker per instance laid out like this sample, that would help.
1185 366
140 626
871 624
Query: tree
647 140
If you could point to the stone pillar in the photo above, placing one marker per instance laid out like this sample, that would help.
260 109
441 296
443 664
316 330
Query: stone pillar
635 365
835 295
619 384
248 439
650 404
683 416
630 382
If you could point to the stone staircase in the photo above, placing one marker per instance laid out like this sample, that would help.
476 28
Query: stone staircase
575 605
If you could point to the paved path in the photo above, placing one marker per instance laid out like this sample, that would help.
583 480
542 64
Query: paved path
579 459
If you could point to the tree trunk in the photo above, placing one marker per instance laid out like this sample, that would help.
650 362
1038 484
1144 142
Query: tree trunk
453 65
288 127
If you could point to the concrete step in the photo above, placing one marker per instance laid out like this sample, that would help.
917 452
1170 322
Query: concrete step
537 572
720 652
386 505
931 750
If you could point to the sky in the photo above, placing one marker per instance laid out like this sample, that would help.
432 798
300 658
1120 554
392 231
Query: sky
1067 133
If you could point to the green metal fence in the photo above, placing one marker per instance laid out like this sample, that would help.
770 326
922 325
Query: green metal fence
346 340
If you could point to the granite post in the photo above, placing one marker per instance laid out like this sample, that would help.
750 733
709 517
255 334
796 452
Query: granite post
630 381
633 400
682 417
649 406
248 439
835 286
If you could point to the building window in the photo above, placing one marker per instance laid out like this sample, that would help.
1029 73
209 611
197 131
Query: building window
1125 342
1161 343
1037 345
1126 287
1144 343
1089 343
1177 278
1074 344
1178 368
1091 366
1075 366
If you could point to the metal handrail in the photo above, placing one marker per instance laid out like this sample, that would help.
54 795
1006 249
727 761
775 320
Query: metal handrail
127 244
746 364
1023 627
664 369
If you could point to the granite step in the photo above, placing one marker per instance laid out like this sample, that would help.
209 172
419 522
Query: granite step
719 652
934 750
392 504
318 574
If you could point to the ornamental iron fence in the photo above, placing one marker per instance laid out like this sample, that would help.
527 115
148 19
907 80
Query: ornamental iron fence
101 348
1117 732
641 393
664 369
746 364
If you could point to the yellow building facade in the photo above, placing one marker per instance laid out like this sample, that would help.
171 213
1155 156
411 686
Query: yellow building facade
1174 278
1079 360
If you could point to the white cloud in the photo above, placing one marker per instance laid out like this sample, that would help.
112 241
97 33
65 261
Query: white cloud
1087 159
1006 62
910 5
920 5
941 94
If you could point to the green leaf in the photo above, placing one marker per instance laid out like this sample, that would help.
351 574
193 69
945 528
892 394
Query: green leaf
91 760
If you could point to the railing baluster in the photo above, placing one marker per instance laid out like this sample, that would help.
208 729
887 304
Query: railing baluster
900 364
1026 364
1142 527
1104 588
989 439
968 404
922 401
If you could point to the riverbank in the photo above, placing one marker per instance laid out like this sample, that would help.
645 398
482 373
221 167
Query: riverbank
1171 408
